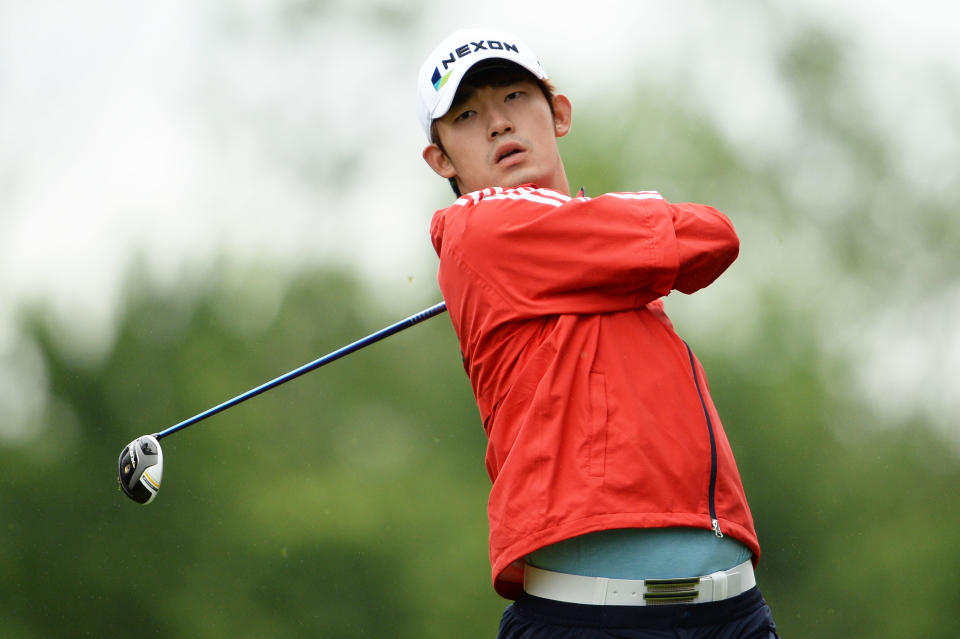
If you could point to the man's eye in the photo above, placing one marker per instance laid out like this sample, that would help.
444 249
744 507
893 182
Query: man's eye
465 116
513 95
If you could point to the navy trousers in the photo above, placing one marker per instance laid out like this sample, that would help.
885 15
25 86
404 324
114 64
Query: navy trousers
745 616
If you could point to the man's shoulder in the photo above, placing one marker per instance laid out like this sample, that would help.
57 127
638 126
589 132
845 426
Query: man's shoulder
524 194
488 212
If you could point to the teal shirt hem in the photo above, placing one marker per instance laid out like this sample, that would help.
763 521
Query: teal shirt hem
642 553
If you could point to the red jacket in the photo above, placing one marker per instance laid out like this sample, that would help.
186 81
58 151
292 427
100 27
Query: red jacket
597 414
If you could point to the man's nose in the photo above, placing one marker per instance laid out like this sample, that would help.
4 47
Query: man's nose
499 123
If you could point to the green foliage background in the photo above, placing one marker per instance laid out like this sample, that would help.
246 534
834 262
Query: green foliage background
351 502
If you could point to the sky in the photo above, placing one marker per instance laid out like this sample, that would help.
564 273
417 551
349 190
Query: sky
172 135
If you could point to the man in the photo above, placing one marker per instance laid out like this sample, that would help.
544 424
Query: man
616 507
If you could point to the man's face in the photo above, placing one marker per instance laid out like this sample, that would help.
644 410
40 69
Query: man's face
502 135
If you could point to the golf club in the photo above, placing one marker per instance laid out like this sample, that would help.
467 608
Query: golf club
140 468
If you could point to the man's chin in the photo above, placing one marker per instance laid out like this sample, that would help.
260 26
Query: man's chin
509 180
520 177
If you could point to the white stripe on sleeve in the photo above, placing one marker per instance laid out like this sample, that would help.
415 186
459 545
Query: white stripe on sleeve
530 197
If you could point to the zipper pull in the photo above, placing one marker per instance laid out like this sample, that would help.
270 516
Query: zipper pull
716 528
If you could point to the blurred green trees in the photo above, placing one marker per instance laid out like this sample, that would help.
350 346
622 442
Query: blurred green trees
333 506
350 502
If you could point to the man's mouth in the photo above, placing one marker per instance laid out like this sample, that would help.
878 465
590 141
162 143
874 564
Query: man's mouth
508 151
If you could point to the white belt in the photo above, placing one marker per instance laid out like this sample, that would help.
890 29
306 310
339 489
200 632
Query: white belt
602 591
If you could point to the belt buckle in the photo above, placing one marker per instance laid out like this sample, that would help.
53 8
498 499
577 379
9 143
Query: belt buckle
670 591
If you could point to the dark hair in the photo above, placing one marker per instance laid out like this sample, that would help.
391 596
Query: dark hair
491 73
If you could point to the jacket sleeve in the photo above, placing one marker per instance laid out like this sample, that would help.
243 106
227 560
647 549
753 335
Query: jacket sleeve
611 253
707 245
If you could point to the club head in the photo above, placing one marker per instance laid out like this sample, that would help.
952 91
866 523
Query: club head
140 469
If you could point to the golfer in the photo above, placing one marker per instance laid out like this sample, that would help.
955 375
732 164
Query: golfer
616 508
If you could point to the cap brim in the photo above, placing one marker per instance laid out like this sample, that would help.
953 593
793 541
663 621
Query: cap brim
452 84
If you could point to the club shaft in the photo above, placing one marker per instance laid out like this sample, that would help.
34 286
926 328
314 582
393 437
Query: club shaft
306 368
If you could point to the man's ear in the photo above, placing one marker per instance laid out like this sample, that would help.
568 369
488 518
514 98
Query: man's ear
439 161
562 115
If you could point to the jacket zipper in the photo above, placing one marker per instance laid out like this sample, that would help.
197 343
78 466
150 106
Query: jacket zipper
714 522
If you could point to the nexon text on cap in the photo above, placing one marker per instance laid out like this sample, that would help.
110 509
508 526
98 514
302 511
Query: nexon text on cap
442 71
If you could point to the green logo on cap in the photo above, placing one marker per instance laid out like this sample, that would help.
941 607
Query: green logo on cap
438 80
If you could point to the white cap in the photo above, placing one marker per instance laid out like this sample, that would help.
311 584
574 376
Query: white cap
442 71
